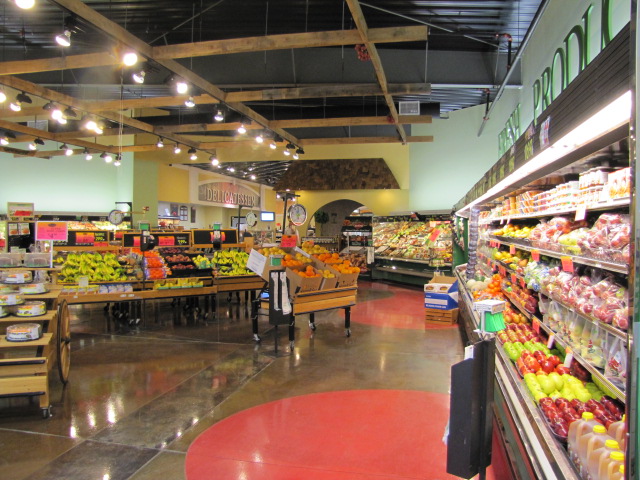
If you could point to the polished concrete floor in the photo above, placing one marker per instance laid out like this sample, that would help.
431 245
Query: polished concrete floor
138 397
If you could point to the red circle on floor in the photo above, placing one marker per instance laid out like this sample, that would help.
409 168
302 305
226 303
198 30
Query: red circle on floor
356 435
403 309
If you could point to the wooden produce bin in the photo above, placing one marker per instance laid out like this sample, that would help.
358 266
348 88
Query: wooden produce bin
435 316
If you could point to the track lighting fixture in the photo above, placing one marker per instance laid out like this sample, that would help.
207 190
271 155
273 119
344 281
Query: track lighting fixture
69 112
64 39
182 87
177 149
4 140
118 161
39 141
160 143
259 138
189 102
32 146
56 112
272 145
241 129
25 4
290 146
3 96
129 58
23 98
87 155
295 156
68 151
106 157
138 77
286 152
192 154
300 151
214 160
219 116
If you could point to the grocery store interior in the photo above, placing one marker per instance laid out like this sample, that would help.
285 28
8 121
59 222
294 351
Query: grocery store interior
318 239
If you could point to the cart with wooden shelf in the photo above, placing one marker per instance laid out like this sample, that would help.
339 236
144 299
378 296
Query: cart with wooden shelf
25 366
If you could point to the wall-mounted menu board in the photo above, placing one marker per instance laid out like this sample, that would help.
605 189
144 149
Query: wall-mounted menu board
163 239
86 238
204 238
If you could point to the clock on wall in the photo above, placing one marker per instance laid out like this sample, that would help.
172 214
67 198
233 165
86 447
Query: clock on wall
297 214
116 217
252 219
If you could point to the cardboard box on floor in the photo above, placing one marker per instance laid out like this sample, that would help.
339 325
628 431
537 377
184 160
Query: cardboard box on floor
441 293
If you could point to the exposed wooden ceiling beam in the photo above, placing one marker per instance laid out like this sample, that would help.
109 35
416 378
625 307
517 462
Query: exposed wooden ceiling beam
362 140
363 29
287 41
294 123
320 91
81 105
120 34
221 47
60 153
4 125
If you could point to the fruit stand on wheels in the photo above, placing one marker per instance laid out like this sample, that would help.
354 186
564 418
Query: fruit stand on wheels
305 303
241 283
25 364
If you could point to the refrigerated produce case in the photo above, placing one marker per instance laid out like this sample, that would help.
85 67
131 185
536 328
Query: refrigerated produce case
555 236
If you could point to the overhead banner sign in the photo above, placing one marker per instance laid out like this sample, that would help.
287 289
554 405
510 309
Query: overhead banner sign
226 193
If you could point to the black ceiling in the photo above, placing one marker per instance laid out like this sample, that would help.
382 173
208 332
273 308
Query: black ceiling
466 53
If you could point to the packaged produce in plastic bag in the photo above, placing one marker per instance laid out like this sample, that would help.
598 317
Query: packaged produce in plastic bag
593 350
616 368
621 318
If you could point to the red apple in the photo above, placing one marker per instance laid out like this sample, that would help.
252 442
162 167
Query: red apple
548 366
561 369
555 359
593 404
562 403
547 401
539 356
532 364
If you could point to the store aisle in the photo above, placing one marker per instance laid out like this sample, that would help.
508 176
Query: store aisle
138 399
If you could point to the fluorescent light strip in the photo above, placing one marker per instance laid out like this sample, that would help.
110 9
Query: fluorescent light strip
614 115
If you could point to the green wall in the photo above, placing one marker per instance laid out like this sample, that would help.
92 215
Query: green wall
444 170
64 184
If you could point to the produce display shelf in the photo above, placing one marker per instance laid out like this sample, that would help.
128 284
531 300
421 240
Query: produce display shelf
611 266
609 328
594 371
506 267
527 314
619 202
408 260
406 271
548 458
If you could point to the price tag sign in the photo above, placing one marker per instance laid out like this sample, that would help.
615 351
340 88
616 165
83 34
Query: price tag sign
512 249
513 279
182 241
136 241
502 221
551 341
535 255
569 358
288 241
523 284
502 270
166 241
85 238
51 231
567 264
433 237
535 324
581 212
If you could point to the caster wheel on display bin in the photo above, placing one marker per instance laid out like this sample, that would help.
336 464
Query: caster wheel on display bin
46 412
347 332
312 326
256 338
292 345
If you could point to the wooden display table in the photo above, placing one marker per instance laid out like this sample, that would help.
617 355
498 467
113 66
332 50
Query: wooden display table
310 303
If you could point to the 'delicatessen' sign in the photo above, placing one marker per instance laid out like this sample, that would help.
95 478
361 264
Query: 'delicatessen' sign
226 193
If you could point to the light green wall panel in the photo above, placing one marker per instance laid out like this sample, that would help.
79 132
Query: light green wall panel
145 190
444 170
64 184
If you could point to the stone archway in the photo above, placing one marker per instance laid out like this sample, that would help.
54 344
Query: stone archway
337 211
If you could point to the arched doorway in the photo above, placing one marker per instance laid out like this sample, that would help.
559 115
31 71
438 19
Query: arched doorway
336 212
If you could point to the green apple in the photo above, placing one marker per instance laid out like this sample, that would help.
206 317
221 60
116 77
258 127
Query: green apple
557 380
